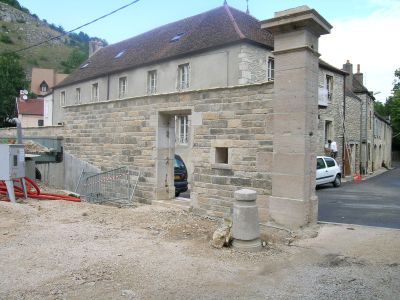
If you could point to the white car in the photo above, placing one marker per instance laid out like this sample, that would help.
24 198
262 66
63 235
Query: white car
328 171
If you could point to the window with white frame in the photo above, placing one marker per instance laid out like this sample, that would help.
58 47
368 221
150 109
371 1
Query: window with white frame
44 87
122 87
182 129
329 86
183 76
271 69
77 96
95 92
62 98
152 82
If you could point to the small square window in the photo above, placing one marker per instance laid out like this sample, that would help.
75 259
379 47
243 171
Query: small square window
40 123
221 155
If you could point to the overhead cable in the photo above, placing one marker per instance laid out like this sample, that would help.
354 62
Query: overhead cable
79 27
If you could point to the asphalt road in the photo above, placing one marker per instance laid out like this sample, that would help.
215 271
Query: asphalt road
372 202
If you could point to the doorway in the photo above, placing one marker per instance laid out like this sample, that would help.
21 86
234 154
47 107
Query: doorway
173 132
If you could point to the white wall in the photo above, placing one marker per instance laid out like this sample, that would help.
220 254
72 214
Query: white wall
217 68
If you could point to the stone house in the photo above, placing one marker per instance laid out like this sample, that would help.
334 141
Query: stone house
245 93
330 108
369 126
182 56
121 107
346 115
382 143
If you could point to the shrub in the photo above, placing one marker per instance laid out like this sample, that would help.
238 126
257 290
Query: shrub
6 39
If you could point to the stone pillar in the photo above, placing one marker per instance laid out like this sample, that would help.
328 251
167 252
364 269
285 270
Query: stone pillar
245 222
293 202
165 189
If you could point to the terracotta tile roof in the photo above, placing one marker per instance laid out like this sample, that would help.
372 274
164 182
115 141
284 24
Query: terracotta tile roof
212 29
30 107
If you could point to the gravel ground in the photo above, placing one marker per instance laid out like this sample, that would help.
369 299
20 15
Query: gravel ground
65 250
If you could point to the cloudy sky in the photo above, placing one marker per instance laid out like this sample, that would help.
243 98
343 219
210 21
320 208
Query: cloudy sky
365 31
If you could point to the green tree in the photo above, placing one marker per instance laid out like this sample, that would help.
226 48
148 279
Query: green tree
380 108
392 109
12 79
74 60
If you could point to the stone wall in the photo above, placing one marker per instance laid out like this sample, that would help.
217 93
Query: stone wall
47 131
253 64
382 143
367 146
353 125
333 112
124 133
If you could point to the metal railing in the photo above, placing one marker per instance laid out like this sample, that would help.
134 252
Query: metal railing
116 187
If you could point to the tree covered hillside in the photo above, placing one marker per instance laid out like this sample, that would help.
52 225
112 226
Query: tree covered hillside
20 29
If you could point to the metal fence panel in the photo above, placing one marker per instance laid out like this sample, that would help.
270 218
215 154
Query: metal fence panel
115 187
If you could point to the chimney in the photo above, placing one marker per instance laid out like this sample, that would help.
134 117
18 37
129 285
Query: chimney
348 67
359 76
94 46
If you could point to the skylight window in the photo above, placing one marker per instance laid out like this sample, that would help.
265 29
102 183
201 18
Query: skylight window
120 54
177 37
85 65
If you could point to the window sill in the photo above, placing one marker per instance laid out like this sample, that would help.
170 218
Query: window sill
221 166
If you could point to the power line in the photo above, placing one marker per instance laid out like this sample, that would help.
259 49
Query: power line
79 27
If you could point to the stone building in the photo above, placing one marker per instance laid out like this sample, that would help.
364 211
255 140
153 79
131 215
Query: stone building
352 137
382 143
367 153
330 108
121 106
241 95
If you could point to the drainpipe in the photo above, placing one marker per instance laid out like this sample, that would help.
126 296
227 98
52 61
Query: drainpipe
361 131
108 87
344 127
17 122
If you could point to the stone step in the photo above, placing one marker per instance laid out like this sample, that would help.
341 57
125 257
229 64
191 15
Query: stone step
182 203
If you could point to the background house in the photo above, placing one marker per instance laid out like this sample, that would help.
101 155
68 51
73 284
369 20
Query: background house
30 112
43 80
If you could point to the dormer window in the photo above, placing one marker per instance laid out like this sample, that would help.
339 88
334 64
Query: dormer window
44 87
177 37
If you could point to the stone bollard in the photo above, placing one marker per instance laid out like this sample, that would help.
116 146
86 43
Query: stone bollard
245 222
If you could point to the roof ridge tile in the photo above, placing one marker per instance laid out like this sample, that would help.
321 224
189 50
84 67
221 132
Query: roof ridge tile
234 23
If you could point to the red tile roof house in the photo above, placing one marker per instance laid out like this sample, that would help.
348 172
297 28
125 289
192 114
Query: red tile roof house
30 112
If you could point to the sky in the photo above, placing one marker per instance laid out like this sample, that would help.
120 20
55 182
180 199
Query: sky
364 32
